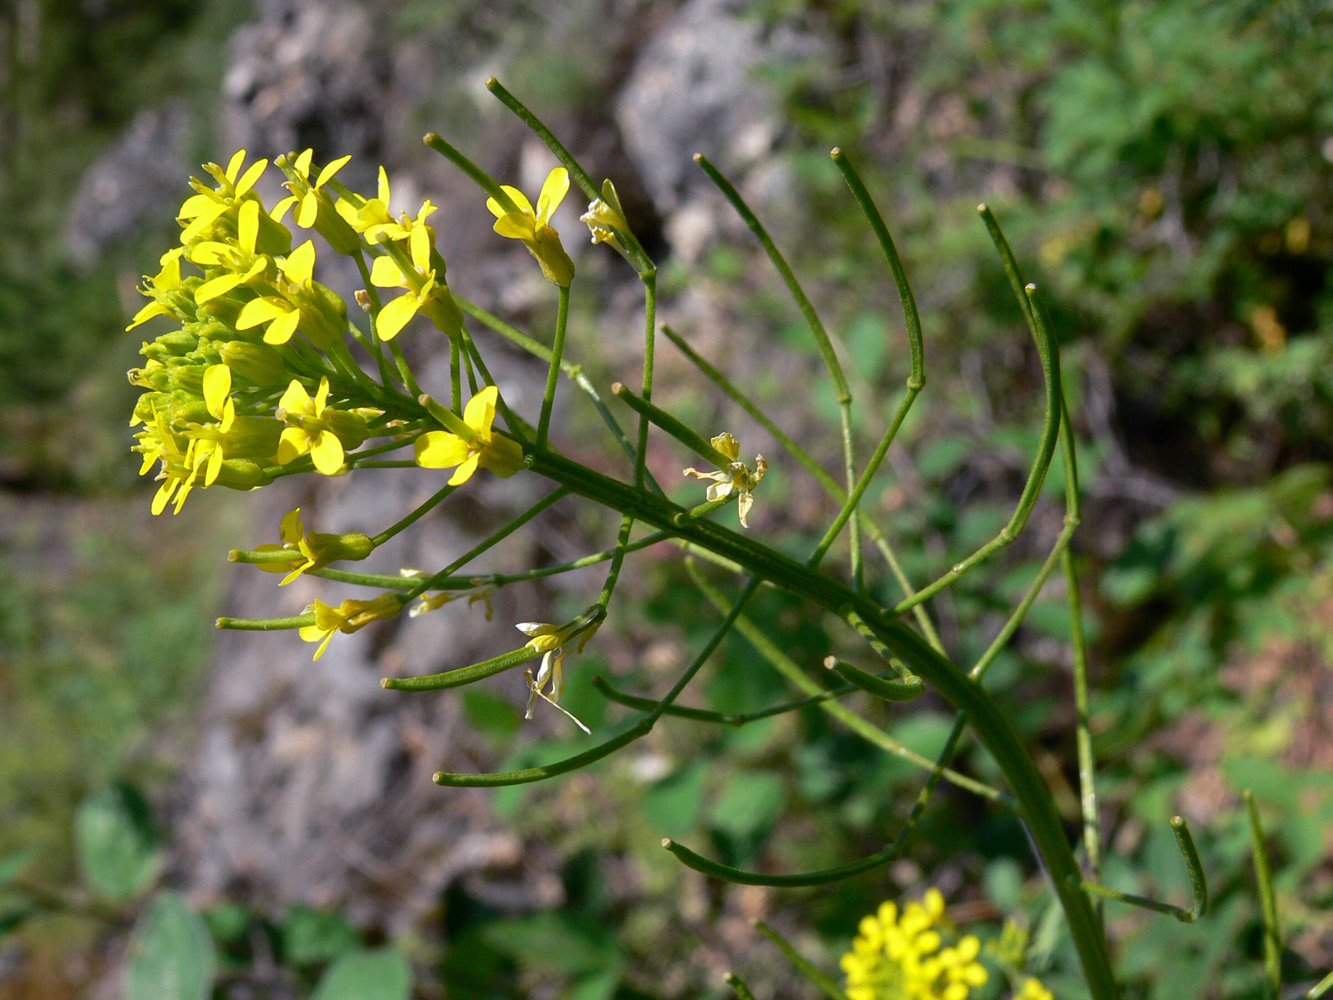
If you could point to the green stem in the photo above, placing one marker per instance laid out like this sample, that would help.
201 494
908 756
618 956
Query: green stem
683 433
813 975
991 724
1263 875
827 482
462 675
483 180
486 544
571 371
413 517
649 358
612 693
553 370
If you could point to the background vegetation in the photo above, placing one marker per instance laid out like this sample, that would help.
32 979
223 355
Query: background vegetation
1164 172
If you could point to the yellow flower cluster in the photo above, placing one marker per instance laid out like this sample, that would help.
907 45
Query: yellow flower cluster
902 956
257 379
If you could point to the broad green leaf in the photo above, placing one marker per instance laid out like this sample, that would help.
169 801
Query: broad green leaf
171 954
115 843
366 975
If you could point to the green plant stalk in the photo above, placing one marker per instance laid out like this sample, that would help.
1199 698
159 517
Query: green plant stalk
794 675
1263 875
613 693
683 433
634 732
553 370
482 179
412 518
569 369
1320 988
812 975
822 341
738 986
827 482
486 544
462 675
649 279
990 723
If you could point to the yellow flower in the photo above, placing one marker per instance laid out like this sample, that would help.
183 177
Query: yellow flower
309 429
371 212
205 207
605 216
281 314
311 549
306 195
534 227
737 476
159 287
240 259
349 616
482 447
901 956
1034 989
419 282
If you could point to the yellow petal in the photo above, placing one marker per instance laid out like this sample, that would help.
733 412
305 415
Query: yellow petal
385 273
281 329
262 310
215 287
292 528
553 193
247 181
479 413
295 399
247 226
299 265
332 168
516 226
302 163
293 443
327 453
464 472
440 450
420 243
321 396
217 383
147 313
309 210
383 192
394 316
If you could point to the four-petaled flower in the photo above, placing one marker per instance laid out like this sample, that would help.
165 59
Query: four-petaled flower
481 447
280 313
201 210
534 227
349 616
419 280
736 476
309 550
308 430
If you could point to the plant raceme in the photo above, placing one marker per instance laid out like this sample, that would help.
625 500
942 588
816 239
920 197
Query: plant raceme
266 373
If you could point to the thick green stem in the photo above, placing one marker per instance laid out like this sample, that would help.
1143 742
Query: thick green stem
990 723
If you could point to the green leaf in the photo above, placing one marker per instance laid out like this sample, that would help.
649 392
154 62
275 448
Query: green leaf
115 843
489 713
310 937
672 805
749 803
366 975
171 954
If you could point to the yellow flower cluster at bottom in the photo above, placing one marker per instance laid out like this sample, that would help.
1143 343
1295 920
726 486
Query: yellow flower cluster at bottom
901 956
